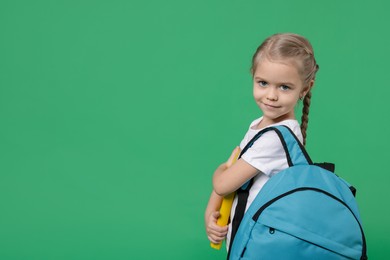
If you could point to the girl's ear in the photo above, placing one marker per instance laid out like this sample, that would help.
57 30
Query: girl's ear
307 89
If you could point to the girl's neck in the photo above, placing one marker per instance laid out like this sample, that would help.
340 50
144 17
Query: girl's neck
264 122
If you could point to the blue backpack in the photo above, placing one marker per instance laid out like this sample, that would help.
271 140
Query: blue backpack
303 212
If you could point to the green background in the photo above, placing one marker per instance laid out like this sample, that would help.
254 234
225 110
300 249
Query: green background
114 115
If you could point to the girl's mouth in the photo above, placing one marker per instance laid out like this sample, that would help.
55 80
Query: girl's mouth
270 106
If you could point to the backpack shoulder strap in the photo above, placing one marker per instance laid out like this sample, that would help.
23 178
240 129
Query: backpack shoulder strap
295 153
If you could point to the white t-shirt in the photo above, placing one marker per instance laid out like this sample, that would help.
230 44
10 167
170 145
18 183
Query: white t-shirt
267 155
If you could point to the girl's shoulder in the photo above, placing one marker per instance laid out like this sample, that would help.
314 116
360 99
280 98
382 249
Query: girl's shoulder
294 125
267 153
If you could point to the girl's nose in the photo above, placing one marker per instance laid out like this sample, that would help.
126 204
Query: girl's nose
272 95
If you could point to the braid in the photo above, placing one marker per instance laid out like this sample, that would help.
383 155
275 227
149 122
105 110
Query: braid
305 116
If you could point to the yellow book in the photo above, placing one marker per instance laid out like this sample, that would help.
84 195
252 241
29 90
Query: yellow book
226 202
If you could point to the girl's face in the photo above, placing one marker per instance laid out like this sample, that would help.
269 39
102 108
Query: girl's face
277 86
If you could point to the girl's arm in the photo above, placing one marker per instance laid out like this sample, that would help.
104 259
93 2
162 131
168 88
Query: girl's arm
215 233
227 180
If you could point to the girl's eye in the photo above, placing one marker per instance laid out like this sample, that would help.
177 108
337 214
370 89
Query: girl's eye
284 87
262 83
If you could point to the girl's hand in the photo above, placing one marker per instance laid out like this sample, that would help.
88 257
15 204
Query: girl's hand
215 233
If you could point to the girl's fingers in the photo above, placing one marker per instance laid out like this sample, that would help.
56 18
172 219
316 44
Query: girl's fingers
216 239
212 240
217 231
216 214
213 223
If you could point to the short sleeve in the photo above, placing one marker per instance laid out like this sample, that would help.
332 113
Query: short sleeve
267 154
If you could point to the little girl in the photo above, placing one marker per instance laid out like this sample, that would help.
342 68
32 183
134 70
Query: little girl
283 70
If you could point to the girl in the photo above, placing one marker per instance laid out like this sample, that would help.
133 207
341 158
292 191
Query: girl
283 71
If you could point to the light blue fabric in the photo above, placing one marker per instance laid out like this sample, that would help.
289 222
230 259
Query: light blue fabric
318 219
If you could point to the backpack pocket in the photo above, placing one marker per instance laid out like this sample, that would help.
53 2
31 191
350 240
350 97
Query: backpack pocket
297 225
269 243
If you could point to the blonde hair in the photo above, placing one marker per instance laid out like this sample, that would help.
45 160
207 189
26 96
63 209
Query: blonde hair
298 49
